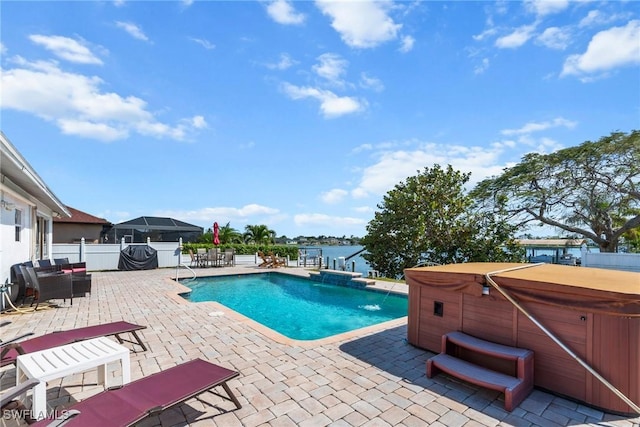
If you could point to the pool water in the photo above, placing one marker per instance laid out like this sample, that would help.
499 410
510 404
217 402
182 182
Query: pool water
296 307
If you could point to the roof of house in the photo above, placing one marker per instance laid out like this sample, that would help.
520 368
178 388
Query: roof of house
79 217
551 243
15 169
157 223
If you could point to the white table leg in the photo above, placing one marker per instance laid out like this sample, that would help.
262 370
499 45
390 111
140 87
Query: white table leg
39 401
102 375
126 369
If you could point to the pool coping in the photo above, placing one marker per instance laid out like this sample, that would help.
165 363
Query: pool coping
222 310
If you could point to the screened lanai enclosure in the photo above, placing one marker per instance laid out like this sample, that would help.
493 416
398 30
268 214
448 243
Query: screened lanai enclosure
157 229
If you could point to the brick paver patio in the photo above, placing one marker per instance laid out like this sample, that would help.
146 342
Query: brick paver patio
370 378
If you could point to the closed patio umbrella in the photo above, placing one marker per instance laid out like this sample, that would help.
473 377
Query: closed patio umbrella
216 231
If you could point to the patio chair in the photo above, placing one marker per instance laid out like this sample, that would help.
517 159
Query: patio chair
44 263
11 350
202 256
194 260
229 257
9 404
215 257
72 267
47 286
148 396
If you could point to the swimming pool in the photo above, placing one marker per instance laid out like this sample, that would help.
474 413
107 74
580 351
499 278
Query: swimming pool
296 307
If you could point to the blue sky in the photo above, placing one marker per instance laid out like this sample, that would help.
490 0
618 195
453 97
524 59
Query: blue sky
301 115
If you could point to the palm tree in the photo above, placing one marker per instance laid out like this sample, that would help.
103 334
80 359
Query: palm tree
258 234
227 234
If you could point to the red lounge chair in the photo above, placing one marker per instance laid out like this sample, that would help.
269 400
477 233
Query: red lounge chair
11 350
148 396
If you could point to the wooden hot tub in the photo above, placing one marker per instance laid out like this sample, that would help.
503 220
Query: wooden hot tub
594 312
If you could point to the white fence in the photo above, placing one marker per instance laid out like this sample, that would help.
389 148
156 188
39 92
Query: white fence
101 256
612 261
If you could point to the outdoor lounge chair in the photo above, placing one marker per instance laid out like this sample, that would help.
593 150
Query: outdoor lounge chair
267 261
148 396
277 261
9 403
11 350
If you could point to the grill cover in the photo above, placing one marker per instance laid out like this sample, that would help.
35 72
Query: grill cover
138 257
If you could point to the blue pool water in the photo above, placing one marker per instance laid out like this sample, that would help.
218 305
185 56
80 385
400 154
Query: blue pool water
298 308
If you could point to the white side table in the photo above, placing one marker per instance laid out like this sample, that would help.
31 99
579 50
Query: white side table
58 362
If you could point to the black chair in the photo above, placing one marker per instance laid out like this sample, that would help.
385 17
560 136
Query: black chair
48 286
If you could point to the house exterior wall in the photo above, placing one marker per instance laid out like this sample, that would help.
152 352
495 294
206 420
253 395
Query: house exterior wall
13 252
73 233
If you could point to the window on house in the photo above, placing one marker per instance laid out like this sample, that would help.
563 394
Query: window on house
18 223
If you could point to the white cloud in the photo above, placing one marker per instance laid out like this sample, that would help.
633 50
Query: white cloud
331 105
326 221
407 44
546 7
364 209
615 47
484 65
517 38
66 48
362 147
597 17
285 62
555 38
393 167
198 122
331 67
371 83
532 127
333 196
251 213
78 106
203 42
282 12
485 34
133 30
3 49
361 24
86 129
593 17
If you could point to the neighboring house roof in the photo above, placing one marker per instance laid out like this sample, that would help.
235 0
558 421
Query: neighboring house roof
79 217
157 223
16 169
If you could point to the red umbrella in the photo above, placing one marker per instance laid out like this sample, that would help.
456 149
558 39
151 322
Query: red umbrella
216 230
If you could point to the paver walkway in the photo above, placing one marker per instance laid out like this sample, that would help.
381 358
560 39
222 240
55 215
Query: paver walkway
372 378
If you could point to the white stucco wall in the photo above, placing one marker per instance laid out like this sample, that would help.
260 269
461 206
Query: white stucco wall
12 252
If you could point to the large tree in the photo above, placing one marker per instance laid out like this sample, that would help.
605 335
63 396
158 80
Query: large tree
591 189
430 219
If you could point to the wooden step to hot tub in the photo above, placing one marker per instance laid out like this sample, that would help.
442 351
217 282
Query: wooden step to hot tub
479 367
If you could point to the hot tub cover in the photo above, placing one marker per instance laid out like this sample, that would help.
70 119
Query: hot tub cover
604 291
